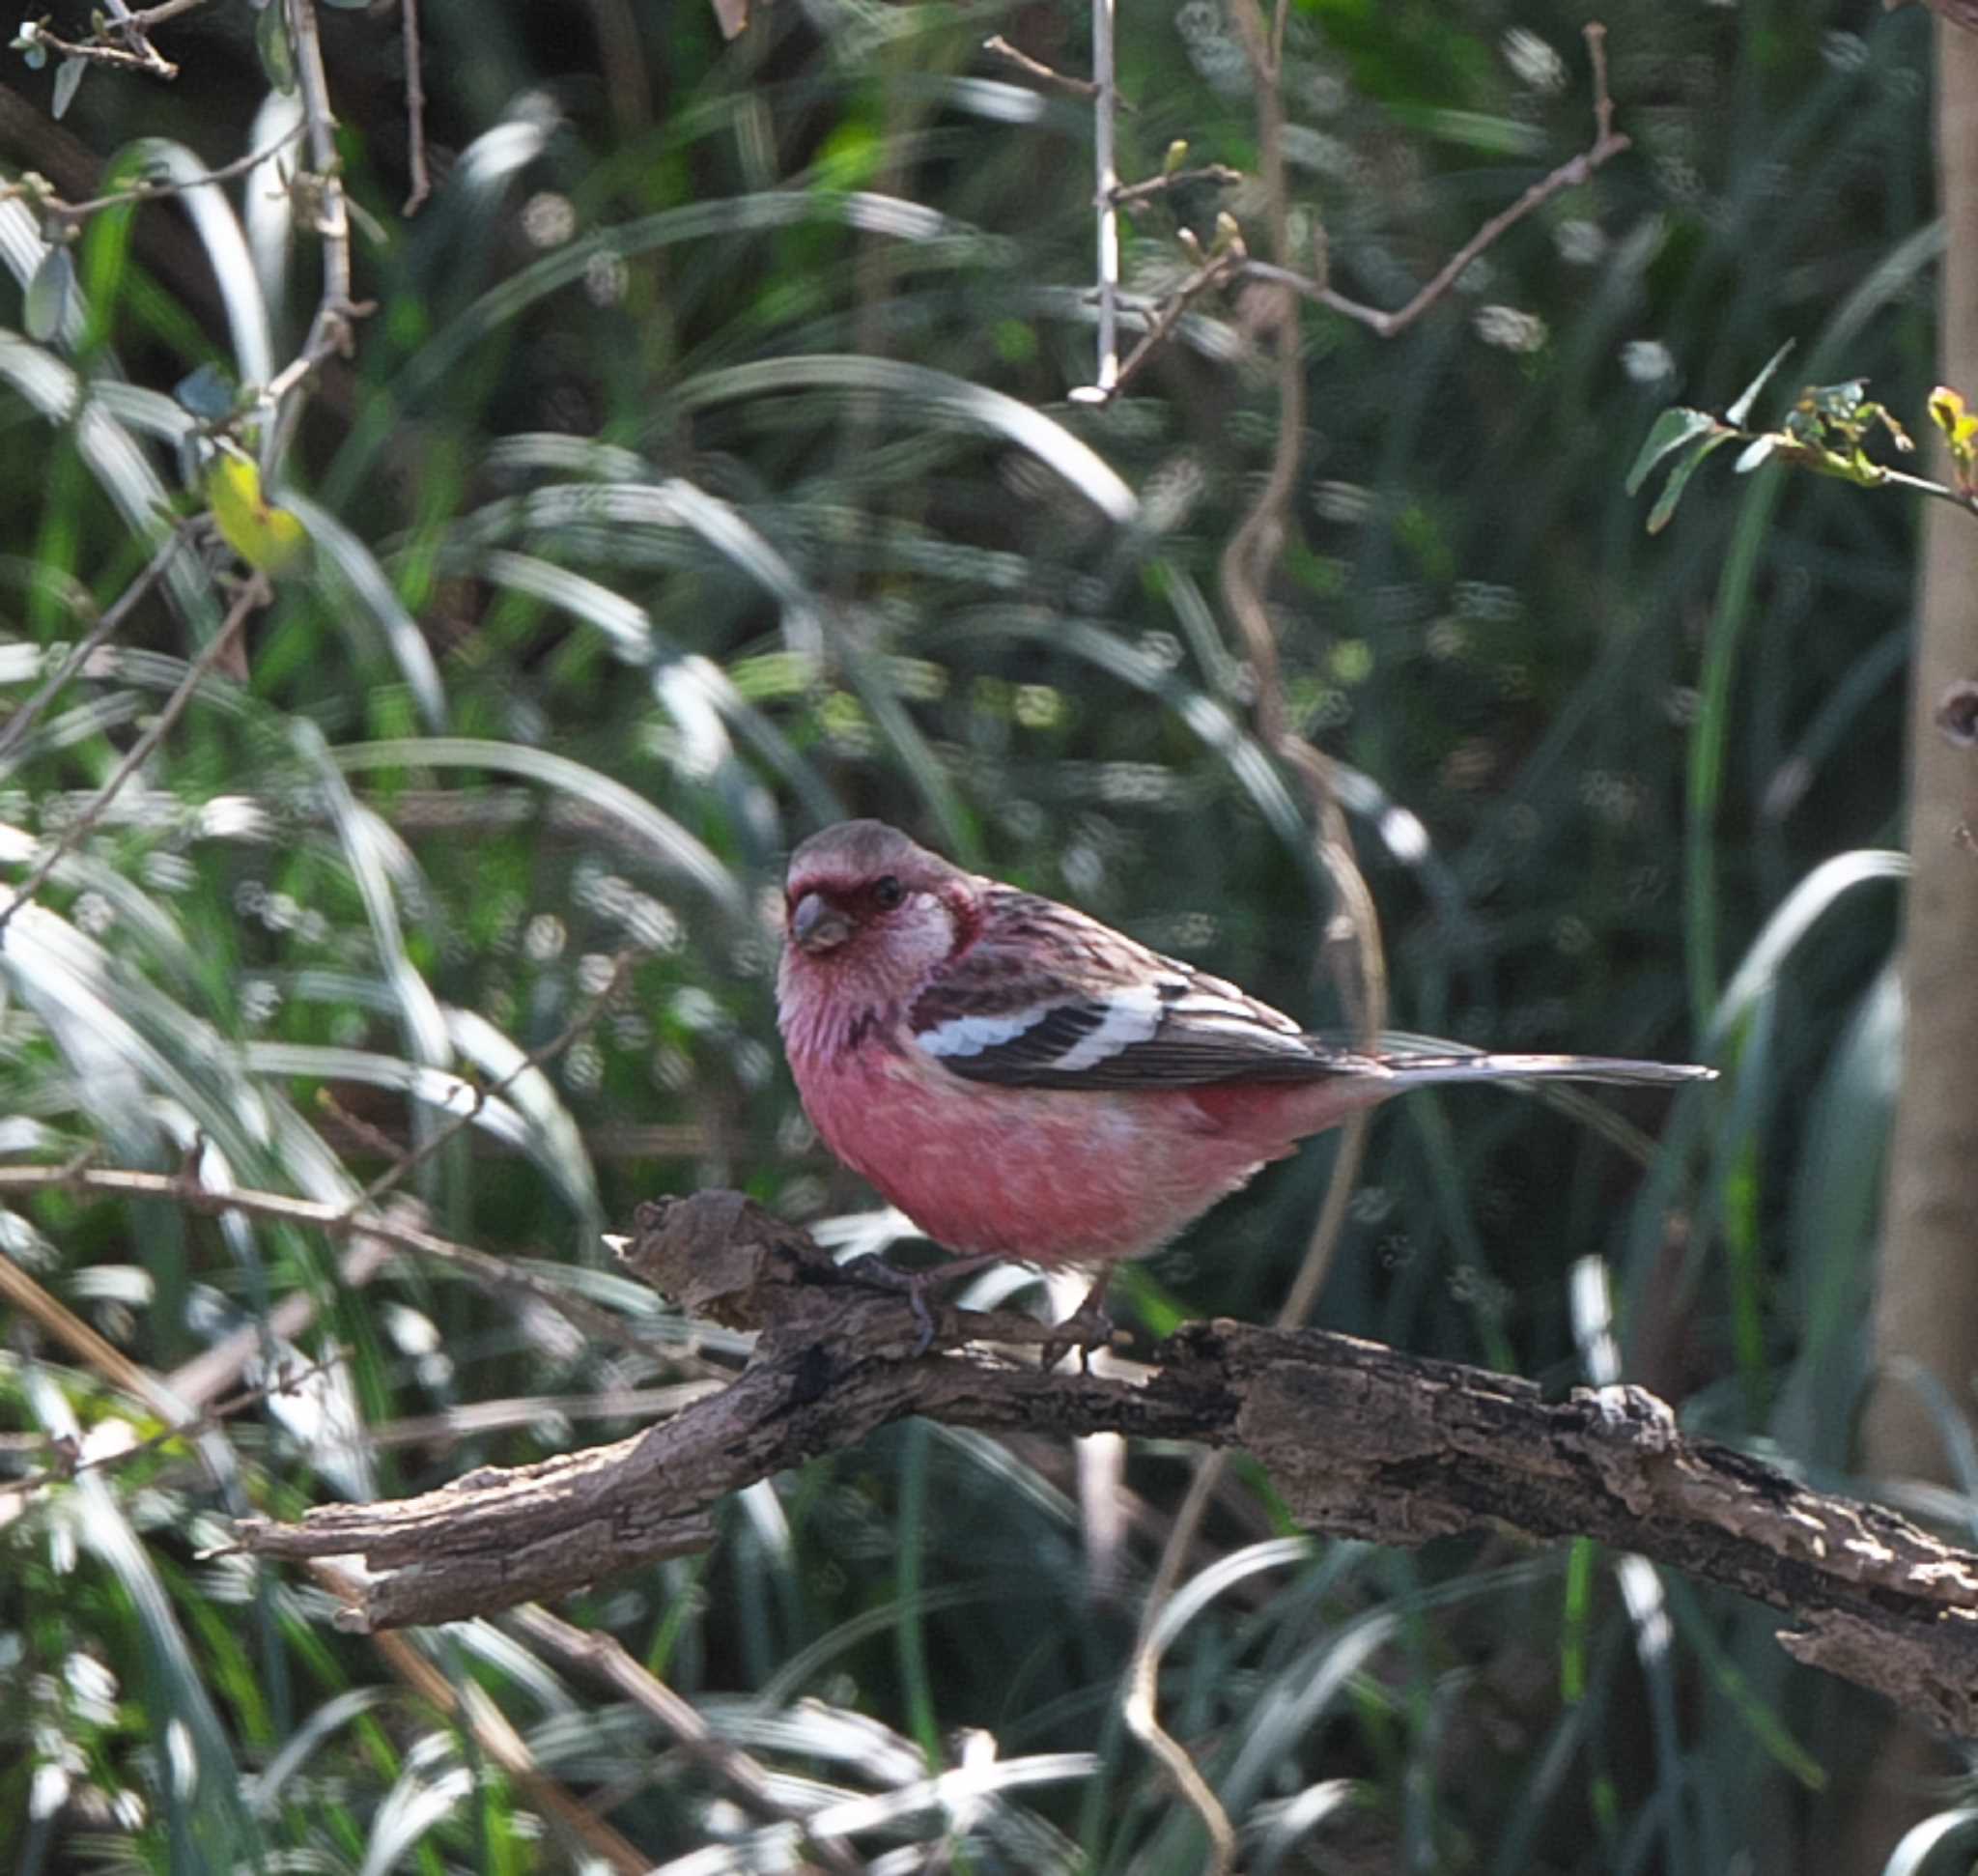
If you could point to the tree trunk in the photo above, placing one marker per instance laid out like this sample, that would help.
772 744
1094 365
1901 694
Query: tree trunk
1927 1301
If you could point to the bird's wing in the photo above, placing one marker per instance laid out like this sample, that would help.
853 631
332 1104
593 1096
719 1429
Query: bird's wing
1048 998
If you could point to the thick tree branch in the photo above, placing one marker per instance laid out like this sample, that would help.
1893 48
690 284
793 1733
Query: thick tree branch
1361 1441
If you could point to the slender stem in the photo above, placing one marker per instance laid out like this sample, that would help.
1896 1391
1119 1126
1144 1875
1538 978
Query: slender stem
149 60
396 1173
751 1782
1103 74
18 723
1956 497
1154 186
330 331
146 17
255 594
415 105
484 1267
151 190
1568 175
1038 70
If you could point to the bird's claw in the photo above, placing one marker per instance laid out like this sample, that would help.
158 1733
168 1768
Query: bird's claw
1087 1327
914 1285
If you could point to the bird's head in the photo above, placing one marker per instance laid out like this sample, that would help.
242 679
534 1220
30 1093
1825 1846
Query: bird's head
871 913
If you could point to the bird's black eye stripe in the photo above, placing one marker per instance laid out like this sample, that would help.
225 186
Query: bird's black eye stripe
887 892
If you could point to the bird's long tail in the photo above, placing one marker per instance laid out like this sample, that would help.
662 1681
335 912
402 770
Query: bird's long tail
1420 1070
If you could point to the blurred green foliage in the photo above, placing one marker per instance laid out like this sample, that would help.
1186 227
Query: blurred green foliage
704 472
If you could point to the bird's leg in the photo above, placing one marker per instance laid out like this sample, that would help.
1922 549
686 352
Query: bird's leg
918 1286
1087 1327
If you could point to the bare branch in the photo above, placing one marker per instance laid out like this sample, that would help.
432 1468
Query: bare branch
498 1273
134 29
288 1379
1606 146
1105 94
595 1006
415 107
1038 70
122 58
29 713
1210 275
1128 194
147 17
604 1655
496 1734
1361 1441
159 188
329 331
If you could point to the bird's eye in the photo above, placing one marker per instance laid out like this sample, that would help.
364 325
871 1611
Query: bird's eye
888 893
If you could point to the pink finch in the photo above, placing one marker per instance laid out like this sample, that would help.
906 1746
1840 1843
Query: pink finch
1025 1082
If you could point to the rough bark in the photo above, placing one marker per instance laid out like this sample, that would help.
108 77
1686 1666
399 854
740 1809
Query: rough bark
1361 1441
1927 1301
1927 1281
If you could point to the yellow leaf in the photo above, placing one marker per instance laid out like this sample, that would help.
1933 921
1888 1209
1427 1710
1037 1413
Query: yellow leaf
269 539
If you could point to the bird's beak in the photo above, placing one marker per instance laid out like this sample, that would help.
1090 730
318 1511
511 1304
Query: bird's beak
816 925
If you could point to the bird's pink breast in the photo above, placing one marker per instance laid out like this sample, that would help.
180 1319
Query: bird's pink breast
1047 1175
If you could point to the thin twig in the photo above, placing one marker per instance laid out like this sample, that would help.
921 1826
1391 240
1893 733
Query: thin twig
330 338
157 190
146 17
1352 945
1595 36
329 331
202 1377
1211 274
1128 194
255 594
371 1138
22 719
286 1381
117 20
415 107
1038 70
408 1163
436 1432
19 1288
1891 478
1104 93
604 1655
149 58
497 1272
1608 145
494 1733
1362 982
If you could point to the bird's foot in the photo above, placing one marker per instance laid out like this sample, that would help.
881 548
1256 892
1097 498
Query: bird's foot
918 1286
1089 1327
913 1285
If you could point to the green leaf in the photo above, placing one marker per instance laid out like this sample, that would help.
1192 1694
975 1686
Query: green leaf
1674 428
1742 410
1679 478
48 295
267 537
277 55
67 81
